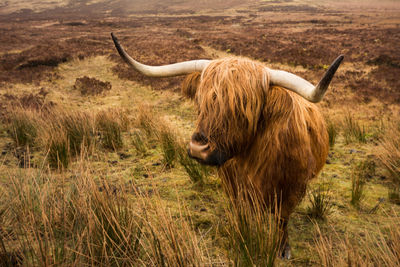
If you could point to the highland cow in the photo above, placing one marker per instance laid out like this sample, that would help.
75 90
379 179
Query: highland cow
258 125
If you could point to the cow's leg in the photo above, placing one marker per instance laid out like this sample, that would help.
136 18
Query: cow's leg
291 197
285 250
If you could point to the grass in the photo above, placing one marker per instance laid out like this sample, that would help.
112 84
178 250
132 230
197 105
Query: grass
254 231
23 127
332 131
146 120
169 145
72 223
197 172
64 134
353 131
321 201
58 155
366 250
79 128
185 219
358 181
110 125
139 142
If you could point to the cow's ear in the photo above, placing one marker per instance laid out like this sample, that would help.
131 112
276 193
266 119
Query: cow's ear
190 84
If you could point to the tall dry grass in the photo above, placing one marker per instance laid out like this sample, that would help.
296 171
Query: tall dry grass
147 121
361 172
48 220
255 231
79 128
358 181
111 124
23 126
378 248
64 134
139 141
57 146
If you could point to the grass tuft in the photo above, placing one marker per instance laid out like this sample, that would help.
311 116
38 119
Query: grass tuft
169 145
139 142
172 242
23 128
196 171
254 231
321 202
79 128
110 125
358 180
146 121
58 149
65 134
332 131
353 131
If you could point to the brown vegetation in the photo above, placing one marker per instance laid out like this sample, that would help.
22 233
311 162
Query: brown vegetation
382 250
85 222
36 102
91 86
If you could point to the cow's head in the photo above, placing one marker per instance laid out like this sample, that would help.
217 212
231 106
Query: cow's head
230 94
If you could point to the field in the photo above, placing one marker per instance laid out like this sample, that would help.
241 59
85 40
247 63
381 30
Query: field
93 169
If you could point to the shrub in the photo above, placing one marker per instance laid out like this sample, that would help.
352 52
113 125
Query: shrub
321 201
91 86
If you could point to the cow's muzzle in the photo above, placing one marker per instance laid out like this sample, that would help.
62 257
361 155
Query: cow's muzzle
200 150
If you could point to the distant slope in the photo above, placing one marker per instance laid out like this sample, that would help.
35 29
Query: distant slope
123 7
10 6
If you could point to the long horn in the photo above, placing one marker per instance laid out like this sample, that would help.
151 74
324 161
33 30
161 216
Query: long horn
302 87
176 69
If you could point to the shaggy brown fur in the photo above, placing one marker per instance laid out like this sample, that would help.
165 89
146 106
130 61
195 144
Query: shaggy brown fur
278 139
231 97
190 84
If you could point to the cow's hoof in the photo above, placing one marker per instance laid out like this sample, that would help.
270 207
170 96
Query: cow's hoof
286 253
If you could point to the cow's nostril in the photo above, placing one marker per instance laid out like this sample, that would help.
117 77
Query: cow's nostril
200 138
